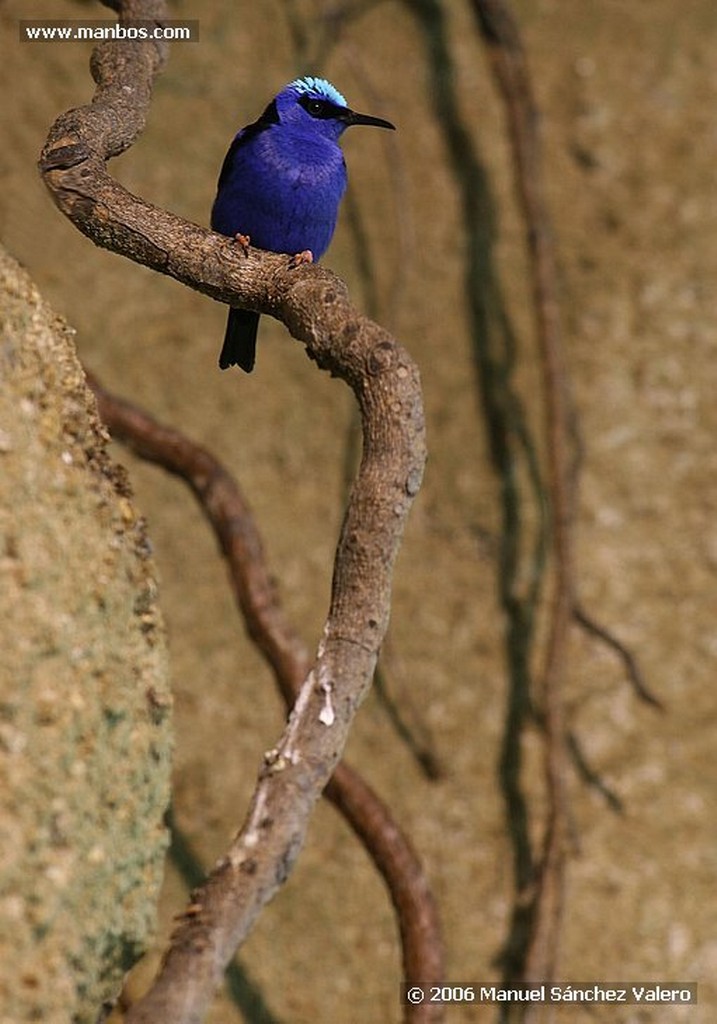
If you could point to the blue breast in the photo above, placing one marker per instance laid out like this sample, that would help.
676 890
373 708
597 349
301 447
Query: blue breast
281 188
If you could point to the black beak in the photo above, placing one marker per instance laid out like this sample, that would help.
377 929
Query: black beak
351 117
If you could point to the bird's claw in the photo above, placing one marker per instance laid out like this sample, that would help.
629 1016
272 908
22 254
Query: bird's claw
299 258
243 241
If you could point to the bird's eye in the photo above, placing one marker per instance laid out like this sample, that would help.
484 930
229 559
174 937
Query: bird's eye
316 107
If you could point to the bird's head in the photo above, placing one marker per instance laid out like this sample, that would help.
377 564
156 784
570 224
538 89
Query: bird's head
313 104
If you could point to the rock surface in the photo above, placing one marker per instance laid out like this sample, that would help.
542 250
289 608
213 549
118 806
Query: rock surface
85 728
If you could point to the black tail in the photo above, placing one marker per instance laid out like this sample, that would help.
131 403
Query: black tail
239 348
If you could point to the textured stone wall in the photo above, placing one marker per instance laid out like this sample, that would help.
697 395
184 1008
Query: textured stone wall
84 692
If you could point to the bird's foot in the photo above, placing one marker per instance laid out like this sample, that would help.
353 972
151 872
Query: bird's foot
243 241
299 258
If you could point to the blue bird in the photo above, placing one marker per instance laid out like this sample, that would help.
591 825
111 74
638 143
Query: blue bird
281 185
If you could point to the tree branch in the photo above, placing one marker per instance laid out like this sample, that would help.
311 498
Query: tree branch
628 659
502 37
226 509
314 305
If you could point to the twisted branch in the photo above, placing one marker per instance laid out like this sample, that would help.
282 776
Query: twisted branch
226 509
314 305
